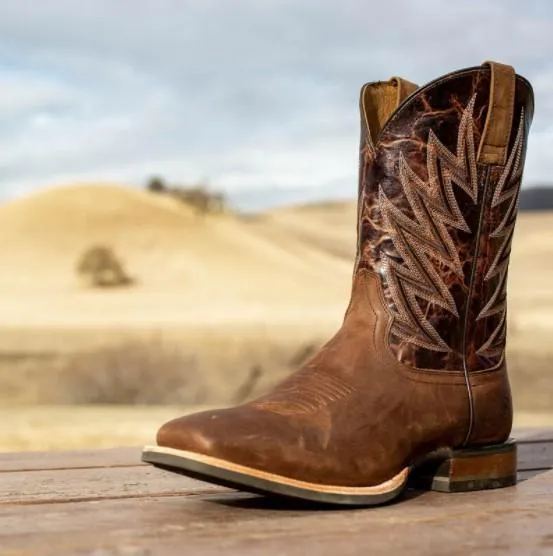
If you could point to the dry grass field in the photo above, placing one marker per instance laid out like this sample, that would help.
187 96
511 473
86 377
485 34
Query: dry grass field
222 306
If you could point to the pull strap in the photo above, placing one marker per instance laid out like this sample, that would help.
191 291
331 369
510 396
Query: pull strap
499 121
379 101
404 88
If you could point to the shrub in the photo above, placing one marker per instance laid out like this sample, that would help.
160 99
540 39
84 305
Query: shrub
131 373
156 185
101 268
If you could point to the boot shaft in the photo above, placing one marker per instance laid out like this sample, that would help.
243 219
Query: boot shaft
439 187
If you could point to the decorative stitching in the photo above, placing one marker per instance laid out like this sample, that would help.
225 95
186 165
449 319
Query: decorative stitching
506 189
424 240
317 391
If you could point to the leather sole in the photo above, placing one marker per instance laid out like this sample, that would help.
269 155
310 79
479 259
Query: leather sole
239 477
445 471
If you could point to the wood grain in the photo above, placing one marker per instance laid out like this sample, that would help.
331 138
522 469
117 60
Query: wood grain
94 484
77 459
105 503
116 480
130 457
516 520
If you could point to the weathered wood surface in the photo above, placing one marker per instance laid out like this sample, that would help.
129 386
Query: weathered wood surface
107 503
81 459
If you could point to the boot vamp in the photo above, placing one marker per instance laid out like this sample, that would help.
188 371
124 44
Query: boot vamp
351 416
324 446
292 446
336 421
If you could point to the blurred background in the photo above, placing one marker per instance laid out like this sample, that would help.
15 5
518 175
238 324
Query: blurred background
177 197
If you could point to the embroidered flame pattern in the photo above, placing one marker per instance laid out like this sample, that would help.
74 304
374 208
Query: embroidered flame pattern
506 190
425 249
421 240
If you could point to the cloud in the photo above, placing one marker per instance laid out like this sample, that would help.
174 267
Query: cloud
245 93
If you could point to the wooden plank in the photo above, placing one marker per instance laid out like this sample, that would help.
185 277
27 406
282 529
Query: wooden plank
527 435
535 455
75 459
528 474
535 448
509 521
46 487
130 457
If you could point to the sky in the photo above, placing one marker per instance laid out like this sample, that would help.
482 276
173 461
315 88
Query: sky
242 94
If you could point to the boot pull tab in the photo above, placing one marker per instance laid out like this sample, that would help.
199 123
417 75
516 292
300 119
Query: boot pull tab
378 102
404 88
497 129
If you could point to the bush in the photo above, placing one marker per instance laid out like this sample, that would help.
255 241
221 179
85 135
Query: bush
156 185
130 373
101 268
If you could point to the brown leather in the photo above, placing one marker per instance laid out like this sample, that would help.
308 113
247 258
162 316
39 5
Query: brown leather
404 88
497 130
434 232
424 198
379 100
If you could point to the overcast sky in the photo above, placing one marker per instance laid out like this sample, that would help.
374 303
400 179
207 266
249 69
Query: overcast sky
243 93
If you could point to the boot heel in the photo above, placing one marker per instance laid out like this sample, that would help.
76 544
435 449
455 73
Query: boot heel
469 469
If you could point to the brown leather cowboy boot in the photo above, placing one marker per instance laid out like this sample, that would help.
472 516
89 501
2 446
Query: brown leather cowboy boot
415 381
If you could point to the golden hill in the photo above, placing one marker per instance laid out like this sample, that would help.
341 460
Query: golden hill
184 263
234 293
66 216
293 263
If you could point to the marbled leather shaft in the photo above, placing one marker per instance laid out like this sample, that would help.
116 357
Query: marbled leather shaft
437 226
402 377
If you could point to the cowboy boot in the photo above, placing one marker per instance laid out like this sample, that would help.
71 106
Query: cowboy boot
415 381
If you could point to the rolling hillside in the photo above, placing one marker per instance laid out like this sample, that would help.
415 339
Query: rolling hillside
291 264
188 266
232 294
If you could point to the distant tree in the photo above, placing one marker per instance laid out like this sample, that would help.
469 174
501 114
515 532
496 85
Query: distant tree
101 268
197 195
156 185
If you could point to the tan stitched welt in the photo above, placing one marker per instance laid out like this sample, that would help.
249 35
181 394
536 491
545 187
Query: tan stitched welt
387 486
